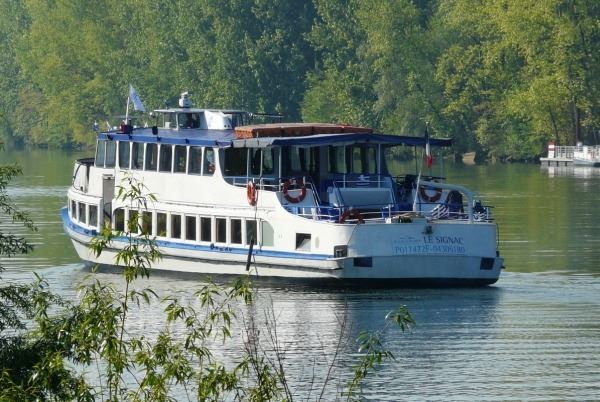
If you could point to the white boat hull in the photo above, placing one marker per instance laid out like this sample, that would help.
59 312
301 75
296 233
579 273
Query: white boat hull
586 162
389 254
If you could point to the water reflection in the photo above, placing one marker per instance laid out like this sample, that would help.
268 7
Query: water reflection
584 172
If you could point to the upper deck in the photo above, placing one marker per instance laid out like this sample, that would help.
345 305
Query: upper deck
225 128
230 137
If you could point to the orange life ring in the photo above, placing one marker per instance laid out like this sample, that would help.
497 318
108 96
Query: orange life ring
297 182
430 198
354 213
251 193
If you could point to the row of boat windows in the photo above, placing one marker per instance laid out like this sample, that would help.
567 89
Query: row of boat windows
84 213
294 159
155 157
238 161
209 229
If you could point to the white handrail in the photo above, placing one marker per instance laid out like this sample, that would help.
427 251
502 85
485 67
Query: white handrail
470 195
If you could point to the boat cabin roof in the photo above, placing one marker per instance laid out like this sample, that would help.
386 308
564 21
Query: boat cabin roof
228 138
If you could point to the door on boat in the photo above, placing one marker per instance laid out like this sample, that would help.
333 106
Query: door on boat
108 193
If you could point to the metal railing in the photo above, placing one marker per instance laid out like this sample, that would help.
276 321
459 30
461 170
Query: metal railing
471 210
564 151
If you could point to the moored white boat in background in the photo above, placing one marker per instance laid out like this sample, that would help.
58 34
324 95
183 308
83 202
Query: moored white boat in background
566 155
586 155
316 202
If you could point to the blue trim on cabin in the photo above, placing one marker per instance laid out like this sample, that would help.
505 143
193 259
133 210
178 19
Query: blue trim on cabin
227 138
215 248
210 138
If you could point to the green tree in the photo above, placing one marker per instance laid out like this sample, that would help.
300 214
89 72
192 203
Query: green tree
14 23
519 72
278 56
403 54
340 87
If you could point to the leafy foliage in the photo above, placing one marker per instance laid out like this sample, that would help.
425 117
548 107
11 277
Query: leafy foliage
86 350
499 77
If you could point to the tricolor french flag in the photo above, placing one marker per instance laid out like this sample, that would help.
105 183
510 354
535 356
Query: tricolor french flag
428 157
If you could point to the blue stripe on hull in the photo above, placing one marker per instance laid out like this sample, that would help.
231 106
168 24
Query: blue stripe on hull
218 249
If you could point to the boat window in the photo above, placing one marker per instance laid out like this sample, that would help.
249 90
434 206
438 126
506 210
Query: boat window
111 150
188 120
180 158
209 162
146 223
221 230
133 222
251 234
151 157
190 228
337 159
195 160
81 213
205 229
255 156
167 120
299 159
268 165
161 224
268 235
119 219
74 210
264 155
355 159
93 215
369 160
303 241
236 160
137 153
176 226
236 231
166 153
124 149
100 148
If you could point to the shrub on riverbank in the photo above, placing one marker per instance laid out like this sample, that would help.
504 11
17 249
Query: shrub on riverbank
53 349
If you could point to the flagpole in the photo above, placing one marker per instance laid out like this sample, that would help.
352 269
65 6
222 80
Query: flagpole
427 150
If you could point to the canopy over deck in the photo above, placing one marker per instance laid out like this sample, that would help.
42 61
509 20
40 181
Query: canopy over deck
339 139
227 139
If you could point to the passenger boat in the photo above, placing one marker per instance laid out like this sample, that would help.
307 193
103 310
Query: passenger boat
306 201
586 155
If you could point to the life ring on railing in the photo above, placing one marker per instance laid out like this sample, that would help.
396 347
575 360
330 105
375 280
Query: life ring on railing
425 196
251 193
302 187
352 213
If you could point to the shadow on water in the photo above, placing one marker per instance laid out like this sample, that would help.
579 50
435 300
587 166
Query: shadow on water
310 284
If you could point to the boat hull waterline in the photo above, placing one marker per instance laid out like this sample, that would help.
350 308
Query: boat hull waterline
412 258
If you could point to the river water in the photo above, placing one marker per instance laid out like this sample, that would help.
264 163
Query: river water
535 335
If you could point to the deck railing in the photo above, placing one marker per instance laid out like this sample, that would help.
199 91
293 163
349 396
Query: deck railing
388 211
564 151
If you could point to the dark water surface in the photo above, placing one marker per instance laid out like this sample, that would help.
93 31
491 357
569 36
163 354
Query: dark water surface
535 335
